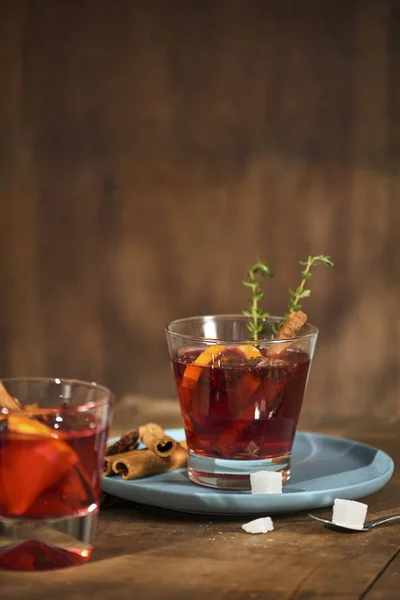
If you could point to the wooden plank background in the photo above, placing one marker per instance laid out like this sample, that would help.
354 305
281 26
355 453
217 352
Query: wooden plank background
150 149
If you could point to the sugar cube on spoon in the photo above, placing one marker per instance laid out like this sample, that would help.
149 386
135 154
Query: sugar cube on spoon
349 513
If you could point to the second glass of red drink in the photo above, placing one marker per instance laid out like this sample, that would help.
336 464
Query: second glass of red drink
53 434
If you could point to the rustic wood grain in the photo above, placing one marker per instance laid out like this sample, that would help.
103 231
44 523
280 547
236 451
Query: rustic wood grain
387 585
160 554
150 150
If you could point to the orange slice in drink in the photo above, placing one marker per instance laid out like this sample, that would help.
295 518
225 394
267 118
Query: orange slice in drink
246 386
26 425
249 351
33 460
192 372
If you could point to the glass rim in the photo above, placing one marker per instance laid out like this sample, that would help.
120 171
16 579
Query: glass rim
240 317
83 407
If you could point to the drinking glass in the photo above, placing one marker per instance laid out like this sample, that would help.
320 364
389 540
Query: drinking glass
51 464
240 399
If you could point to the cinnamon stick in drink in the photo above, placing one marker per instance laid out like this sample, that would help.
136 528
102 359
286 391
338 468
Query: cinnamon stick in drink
10 403
155 439
141 463
289 330
7 401
292 325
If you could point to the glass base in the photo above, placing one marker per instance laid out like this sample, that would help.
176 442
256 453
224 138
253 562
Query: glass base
41 544
233 474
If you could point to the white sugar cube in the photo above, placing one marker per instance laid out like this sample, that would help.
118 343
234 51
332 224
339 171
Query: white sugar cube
349 513
266 482
262 525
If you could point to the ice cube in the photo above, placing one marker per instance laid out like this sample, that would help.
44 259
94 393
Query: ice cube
266 482
349 513
262 525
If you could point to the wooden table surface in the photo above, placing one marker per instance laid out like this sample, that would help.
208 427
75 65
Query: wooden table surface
145 553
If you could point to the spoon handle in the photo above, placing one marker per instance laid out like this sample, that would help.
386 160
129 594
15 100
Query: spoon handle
382 520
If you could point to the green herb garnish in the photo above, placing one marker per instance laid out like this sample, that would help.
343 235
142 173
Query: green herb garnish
301 292
255 313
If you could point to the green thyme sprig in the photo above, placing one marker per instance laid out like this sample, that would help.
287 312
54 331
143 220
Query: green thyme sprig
256 313
302 292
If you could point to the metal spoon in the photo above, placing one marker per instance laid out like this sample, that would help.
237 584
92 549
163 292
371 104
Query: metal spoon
367 525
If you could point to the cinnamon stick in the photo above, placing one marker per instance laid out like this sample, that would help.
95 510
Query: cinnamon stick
155 439
110 460
292 325
7 401
10 403
289 330
141 463
128 441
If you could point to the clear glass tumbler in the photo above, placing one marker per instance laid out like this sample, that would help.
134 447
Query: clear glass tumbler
240 399
51 464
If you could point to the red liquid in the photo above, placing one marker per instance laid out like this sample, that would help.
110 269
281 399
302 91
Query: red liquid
238 410
43 477
34 555
53 473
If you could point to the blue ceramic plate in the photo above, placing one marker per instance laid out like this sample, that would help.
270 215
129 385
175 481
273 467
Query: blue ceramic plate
323 468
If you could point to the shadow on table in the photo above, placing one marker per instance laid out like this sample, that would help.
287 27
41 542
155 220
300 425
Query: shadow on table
118 508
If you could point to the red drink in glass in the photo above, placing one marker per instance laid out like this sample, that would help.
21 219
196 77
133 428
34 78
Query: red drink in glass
51 464
240 410
240 400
